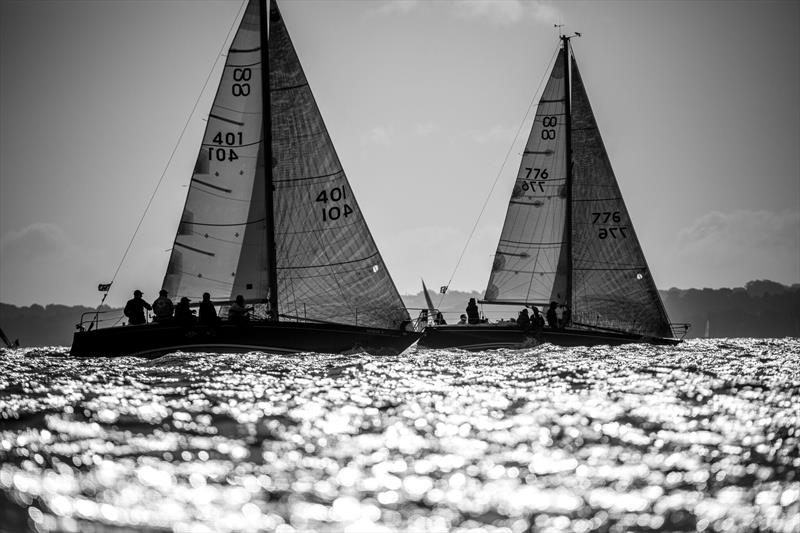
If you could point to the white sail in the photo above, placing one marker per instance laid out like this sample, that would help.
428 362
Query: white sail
328 266
526 263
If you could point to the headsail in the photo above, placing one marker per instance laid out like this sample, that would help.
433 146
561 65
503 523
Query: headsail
612 285
526 264
328 266
428 301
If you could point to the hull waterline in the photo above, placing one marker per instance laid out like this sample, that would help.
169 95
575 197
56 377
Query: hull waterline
489 337
155 340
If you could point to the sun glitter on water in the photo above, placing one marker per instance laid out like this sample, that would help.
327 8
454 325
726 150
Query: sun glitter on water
703 436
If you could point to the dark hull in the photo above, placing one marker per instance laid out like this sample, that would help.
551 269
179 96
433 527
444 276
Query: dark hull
493 336
155 340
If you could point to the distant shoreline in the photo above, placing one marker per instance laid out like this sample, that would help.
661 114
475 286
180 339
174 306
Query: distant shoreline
761 308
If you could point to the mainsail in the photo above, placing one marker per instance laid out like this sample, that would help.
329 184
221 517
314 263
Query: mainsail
525 268
328 266
612 285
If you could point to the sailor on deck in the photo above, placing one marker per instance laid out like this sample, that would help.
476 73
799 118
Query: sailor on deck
183 313
537 320
162 307
135 307
237 312
208 315
566 316
552 316
473 316
523 320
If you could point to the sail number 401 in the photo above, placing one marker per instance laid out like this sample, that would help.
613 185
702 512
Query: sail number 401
334 212
225 154
615 232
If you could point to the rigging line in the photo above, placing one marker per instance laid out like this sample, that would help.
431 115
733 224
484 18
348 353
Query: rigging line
499 173
175 148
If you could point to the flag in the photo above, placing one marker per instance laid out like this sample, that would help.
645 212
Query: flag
103 287
443 289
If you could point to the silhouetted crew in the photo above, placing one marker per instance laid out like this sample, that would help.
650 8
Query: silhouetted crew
523 320
162 307
208 315
552 317
183 313
462 320
566 317
135 307
237 312
537 320
439 319
473 317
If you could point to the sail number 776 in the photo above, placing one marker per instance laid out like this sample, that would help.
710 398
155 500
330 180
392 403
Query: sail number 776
532 183
604 217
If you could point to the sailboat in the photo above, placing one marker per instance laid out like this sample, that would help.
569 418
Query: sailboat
568 240
270 216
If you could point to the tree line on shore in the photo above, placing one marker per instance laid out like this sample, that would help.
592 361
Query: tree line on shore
761 308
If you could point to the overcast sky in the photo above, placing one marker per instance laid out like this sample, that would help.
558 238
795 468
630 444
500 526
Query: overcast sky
697 103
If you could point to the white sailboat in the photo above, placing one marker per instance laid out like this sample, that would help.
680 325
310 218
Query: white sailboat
288 236
567 237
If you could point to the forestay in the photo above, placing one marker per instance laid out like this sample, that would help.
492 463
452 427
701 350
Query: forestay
526 263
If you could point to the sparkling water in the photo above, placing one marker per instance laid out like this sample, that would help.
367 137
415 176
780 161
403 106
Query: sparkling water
704 436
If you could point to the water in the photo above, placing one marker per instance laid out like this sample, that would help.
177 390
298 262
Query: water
700 437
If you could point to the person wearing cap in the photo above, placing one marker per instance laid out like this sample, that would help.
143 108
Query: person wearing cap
162 307
183 313
135 307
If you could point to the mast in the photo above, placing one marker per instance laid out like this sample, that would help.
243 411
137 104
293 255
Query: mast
266 136
568 181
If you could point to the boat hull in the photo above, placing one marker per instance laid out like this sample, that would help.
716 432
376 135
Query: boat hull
494 336
155 340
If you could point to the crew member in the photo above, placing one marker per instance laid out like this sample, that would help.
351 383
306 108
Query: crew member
523 320
208 315
162 307
237 312
473 316
183 313
552 317
135 307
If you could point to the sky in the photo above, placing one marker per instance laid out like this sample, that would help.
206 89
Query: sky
697 103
